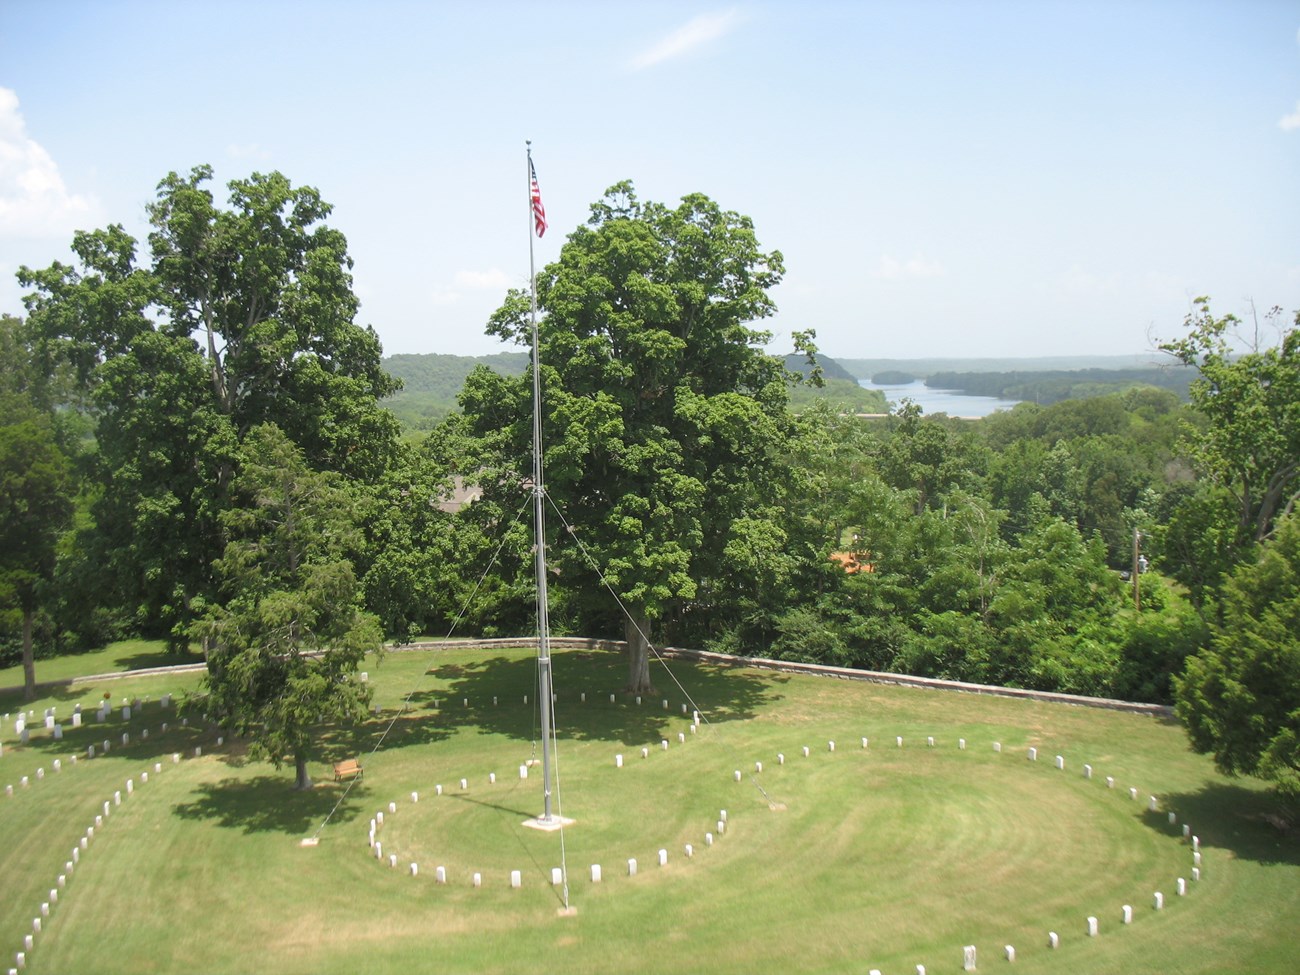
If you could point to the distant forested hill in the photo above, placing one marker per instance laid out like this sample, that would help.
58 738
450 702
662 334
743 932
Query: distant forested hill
1053 386
1043 381
431 383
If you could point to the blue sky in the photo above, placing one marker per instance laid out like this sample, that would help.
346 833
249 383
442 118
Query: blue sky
956 179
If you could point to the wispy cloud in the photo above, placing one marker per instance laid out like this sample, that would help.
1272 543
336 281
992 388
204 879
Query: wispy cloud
1288 122
891 268
691 35
33 200
248 150
491 278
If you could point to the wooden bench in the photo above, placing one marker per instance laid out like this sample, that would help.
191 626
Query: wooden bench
347 769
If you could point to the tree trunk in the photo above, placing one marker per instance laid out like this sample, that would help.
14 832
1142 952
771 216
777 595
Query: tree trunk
29 658
636 631
300 764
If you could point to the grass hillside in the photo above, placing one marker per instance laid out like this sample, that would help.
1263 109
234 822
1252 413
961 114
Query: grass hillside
844 859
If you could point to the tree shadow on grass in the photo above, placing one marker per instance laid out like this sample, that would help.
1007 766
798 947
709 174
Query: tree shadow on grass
1231 817
268 803
489 695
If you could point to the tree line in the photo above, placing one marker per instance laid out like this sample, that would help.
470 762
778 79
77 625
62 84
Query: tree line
194 446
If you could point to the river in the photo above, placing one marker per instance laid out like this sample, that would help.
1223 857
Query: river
941 400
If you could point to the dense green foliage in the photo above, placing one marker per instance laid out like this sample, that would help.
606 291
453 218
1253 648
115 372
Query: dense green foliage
1052 386
700 495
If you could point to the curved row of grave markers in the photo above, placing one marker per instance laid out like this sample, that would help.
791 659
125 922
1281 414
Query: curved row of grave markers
1092 925
46 908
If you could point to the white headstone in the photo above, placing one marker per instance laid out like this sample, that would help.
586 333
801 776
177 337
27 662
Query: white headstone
968 958
611 699
1033 754
997 746
415 797
595 873
1182 887
415 869
58 765
631 865
1152 803
478 880
1196 842
1011 952
1053 939
737 774
663 858
618 761
437 790
805 751
722 826
1127 913
379 851
961 744
1132 793
126 714
76 719
392 807
117 798
516 879
830 746
722 814
930 741
1173 819
440 874
392 860
645 753
130 786
690 851
1196 874
638 699
23 781
780 759
1110 782
58 732
379 817
758 766
1060 761
1196 857
899 741
523 771
1092 927
40 773
663 743
708 839
1187 830
464 784
1159 900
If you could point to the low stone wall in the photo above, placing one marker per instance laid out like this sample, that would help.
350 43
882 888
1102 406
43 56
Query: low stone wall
821 670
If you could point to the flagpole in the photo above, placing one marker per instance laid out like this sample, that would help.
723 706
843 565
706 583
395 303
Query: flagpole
539 491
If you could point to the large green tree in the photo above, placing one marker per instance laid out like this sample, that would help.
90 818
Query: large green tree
288 634
243 315
1240 696
35 507
666 423
1250 444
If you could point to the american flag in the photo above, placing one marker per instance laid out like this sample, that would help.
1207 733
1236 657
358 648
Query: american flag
539 211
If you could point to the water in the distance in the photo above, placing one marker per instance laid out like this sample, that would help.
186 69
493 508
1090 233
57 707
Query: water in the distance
940 400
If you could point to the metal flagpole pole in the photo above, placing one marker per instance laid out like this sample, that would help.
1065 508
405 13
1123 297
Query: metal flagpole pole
543 617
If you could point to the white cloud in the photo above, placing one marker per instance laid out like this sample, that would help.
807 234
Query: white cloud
493 278
1288 122
33 200
891 268
247 150
695 32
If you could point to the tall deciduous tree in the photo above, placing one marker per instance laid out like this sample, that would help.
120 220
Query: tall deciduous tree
665 420
244 315
35 507
289 634
1251 443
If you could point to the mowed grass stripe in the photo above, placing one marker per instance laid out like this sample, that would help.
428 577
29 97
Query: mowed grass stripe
885 858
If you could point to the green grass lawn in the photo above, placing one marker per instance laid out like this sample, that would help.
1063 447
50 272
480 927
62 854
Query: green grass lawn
117 657
843 860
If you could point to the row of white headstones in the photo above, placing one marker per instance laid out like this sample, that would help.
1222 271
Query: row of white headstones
596 872
557 877
41 919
